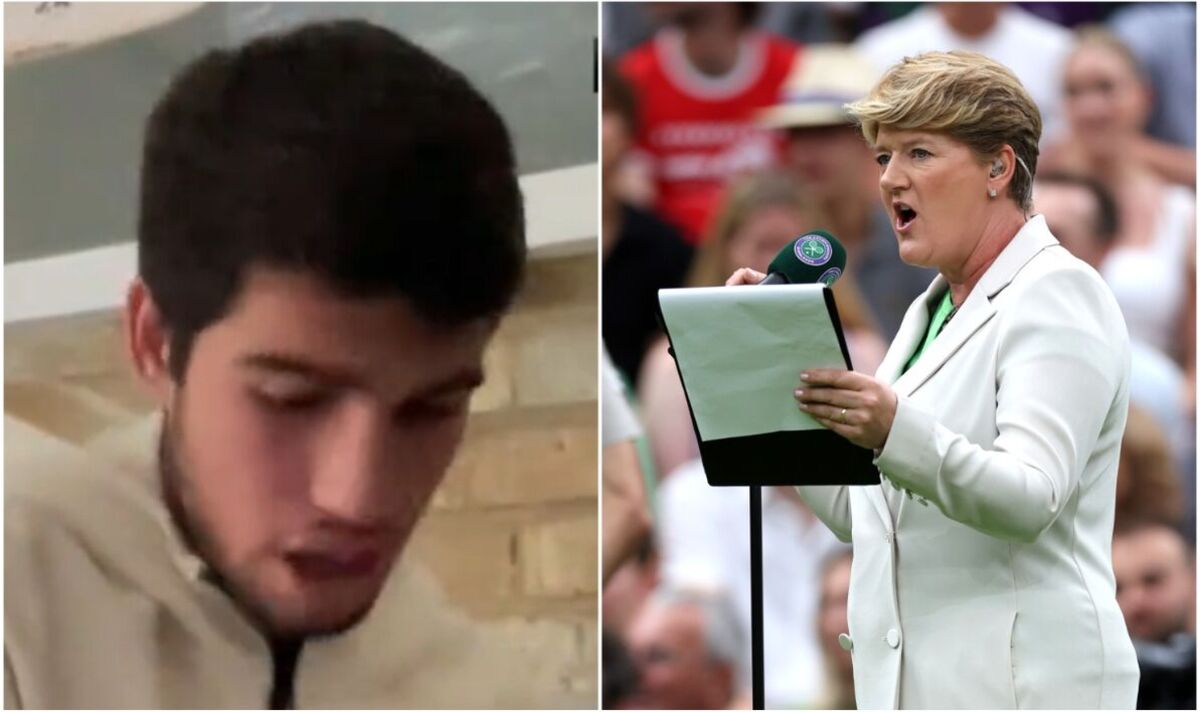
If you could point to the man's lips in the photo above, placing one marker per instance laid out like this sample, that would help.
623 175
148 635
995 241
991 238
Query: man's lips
323 565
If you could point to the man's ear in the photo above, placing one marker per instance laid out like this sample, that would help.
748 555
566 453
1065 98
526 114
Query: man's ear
147 340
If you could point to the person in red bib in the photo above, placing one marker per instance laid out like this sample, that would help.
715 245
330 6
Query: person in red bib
700 81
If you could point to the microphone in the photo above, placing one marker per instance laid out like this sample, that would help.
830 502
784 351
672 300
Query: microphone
814 257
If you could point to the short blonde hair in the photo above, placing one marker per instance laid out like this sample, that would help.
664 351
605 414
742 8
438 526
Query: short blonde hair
965 95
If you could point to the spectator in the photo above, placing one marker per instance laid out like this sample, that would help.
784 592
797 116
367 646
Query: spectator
704 533
1106 105
760 215
626 515
1148 485
1156 581
1156 588
1031 47
1108 100
698 83
831 624
642 254
834 164
1163 37
685 645
1079 211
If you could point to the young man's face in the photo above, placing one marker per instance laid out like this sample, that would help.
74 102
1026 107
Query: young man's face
306 439
1155 582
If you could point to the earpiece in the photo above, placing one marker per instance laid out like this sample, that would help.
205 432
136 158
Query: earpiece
997 168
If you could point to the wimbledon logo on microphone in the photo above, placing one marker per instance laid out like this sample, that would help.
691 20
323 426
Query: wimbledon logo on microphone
814 249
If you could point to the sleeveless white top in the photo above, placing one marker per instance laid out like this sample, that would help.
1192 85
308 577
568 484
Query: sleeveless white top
1148 280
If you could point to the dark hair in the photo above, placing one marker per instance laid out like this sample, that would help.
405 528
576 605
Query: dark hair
339 149
1107 222
1134 526
692 15
618 96
748 12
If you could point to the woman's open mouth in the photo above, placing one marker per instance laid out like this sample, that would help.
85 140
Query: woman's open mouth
905 216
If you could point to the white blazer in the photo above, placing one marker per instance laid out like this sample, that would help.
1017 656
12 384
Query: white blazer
982 573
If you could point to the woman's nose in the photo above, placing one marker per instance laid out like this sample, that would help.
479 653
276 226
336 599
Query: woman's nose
892 177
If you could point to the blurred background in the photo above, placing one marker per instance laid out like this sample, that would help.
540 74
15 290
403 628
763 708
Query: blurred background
511 535
722 139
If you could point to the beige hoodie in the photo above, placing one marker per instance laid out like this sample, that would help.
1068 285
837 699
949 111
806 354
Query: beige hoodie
104 608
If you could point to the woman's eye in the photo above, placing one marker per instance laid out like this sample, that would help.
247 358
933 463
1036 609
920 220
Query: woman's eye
920 153
882 159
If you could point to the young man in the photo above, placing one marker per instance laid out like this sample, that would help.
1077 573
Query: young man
1155 569
330 228
1156 581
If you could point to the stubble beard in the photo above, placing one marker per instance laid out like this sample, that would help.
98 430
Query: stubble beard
197 537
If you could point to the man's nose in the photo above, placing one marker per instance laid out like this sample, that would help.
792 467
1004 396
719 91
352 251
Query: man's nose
352 473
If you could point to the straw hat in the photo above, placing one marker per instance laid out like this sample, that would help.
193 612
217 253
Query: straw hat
823 78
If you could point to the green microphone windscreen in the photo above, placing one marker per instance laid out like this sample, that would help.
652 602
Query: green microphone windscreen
813 257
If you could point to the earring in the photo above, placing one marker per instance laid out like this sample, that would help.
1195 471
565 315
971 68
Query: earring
991 192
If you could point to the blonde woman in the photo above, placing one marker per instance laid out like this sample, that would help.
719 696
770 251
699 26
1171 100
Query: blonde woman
1107 103
982 574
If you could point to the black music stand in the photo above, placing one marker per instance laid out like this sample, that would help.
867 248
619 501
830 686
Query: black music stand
768 460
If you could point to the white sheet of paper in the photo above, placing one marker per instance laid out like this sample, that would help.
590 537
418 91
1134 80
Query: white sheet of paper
741 351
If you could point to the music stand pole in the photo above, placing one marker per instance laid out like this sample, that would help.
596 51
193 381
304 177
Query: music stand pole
756 598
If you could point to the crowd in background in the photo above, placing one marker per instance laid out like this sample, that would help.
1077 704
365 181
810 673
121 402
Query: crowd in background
724 139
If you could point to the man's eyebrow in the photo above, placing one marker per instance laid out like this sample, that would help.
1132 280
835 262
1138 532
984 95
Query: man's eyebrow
284 363
468 378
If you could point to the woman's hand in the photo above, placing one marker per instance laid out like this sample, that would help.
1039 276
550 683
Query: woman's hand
745 275
853 405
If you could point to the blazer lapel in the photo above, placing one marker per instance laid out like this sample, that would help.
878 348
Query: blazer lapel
977 309
912 329
911 332
974 313
971 316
